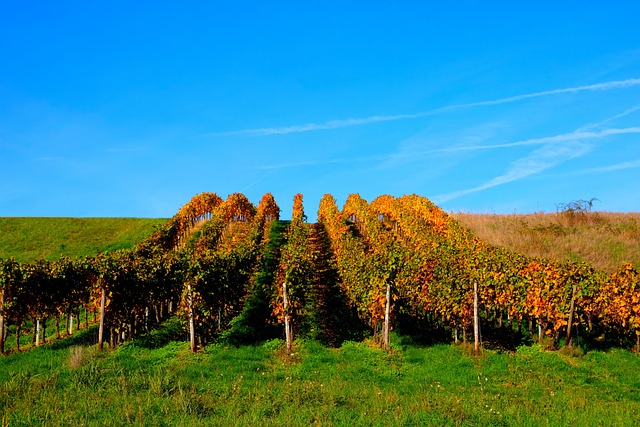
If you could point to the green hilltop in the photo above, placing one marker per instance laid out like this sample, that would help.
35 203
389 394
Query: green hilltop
50 238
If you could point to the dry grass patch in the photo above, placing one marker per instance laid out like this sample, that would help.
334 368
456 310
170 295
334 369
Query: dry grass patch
604 239
79 355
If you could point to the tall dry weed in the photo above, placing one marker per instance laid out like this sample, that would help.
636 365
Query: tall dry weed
78 355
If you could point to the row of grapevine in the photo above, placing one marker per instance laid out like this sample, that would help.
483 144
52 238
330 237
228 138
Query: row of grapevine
392 257
432 265
294 272
223 264
33 292
306 297
365 264
173 269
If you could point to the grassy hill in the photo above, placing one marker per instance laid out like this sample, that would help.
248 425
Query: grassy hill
156 380
603 239
32 238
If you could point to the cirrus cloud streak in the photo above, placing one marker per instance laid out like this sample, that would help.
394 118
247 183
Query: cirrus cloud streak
343 123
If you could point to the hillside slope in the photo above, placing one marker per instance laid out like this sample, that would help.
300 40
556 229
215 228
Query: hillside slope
603 239
32 238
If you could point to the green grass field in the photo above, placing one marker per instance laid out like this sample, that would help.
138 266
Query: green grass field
155 380
29 239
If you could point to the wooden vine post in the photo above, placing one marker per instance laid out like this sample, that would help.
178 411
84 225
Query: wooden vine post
476 322
540 332
18 331
287 325
103 302
37 337
571 313
2 337
387 308
192 327
387 312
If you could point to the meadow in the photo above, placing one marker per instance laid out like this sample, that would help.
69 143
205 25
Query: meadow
606 240
50 238
156 380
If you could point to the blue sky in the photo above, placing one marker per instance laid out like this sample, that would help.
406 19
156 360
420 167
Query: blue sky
114 109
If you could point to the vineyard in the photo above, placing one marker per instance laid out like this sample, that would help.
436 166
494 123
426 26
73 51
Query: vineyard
233 271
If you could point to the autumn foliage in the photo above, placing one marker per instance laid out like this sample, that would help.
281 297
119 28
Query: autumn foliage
396 256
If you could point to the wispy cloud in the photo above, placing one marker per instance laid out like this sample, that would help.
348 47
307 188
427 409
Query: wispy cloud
342 123
610 168
123 149
570 136
271 172
555 150
50 159
419 154
341 160
539 160
610 119
332 124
